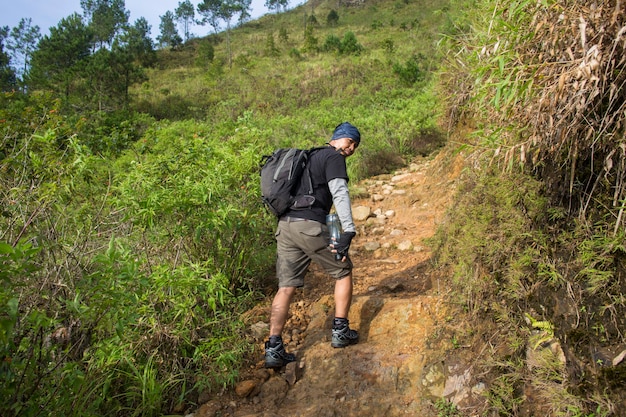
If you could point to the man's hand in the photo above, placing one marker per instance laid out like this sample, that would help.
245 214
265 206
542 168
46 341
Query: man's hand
343 244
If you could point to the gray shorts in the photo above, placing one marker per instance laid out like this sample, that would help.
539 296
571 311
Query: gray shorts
298 242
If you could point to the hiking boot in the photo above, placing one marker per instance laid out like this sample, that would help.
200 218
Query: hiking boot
276 356
344 336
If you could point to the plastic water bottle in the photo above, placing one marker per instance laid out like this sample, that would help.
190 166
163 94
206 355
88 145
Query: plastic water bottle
334 228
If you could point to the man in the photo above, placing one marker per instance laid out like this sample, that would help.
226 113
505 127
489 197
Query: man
302 236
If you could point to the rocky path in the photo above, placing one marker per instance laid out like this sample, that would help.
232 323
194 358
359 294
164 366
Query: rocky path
396 369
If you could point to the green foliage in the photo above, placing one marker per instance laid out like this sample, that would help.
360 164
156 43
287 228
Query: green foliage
332 18
350 45
61 57
332 44
205 54
415 69
126 240
446 408
110 133
310 41
97 326
283 34
106 18
185 14
7 73
389 46
270 46
168 35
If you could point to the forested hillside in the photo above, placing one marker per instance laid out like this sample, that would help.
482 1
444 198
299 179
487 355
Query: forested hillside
133 239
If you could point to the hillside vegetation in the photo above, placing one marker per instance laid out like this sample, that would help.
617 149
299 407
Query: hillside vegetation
132 237
535 245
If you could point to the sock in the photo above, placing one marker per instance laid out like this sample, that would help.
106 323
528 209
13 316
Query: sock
275 340
339 322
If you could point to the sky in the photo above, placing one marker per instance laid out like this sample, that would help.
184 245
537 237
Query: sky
48 13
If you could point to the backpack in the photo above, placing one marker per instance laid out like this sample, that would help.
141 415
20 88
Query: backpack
281 175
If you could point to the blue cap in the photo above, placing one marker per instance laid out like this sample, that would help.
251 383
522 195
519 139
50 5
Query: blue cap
346 130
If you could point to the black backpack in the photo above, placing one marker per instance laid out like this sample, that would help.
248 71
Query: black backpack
281 175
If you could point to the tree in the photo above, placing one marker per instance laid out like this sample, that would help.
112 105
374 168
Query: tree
210 12
60 57
22 43
276 5
169 34
184 15
139 43
213 11
332 18
106 19
7 74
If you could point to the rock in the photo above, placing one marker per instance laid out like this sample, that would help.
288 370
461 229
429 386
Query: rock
371 246
293 372
390 213
377 198
245 388
396 232
405 245
398 192
434 380
479 388
400 177
209 409
204 397
361 213
259 330
456 386
262 374
394 287
274 390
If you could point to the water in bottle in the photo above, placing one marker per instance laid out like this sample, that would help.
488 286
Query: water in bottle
334 229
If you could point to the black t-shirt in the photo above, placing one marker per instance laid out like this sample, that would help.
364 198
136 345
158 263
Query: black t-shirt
324 164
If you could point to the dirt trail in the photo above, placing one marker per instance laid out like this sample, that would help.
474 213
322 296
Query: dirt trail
396 308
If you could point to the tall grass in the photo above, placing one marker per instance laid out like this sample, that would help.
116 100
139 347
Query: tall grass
530 80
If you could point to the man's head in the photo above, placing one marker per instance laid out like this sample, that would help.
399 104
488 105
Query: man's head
346 138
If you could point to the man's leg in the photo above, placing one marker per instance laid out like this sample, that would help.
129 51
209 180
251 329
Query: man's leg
275 354
343 296
342 335
280 309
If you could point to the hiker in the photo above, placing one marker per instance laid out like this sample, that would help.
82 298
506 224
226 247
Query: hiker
302 236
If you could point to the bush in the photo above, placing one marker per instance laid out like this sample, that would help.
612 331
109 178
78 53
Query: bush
350 45
332 44
333 18
413 71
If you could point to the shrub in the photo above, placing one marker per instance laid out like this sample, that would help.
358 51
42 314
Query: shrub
350 45
332 44
413 71
333 18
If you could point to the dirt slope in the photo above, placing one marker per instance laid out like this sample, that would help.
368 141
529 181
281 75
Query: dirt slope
396 308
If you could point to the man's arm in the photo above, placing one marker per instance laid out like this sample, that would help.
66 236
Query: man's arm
341 199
